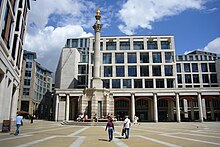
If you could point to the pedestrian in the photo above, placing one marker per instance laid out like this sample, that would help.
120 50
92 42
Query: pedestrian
32 119
126 126
19 122
135 120
111 128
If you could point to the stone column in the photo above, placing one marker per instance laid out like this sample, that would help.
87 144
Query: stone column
97 82
132 107
192 110
177 108
212 110
56 107
67 107
204 109
185 108
155 108
200 107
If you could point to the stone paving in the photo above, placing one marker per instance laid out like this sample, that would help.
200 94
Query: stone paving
53 134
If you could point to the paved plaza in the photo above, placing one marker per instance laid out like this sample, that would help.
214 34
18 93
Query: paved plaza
53 134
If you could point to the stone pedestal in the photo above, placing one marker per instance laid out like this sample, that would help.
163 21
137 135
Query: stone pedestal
96 101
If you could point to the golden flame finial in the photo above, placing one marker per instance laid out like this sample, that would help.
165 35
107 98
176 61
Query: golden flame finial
98 12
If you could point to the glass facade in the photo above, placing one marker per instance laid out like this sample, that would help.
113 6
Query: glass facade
152 45
144 57
127 83
107 58
156 57
110 45
120 71
132 71
132 58
138 45
119 58
125 45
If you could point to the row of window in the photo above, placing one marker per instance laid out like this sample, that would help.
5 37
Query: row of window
132 57
138 83
195 58
124 45
206 78
144 71
137 45
194 67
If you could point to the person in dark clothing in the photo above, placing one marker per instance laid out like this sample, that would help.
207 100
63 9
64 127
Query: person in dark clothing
111 128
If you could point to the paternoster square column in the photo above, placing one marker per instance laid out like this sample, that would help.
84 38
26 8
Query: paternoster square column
96 81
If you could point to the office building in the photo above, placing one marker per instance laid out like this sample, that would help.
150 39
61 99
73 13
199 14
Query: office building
35 86
13 18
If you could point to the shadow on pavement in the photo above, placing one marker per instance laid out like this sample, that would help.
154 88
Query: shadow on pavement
103 139
119 137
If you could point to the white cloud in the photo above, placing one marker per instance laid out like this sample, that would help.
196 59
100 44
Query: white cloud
142 13
47 43
213 46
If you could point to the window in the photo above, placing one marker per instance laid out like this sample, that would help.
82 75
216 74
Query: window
149 83
107 71
152 45
144 57
132 71
82 69
124 45
28 64
179 79
137 83
27 82
110 45
116 83
81 42
204 67
195 67
26 91
6 25
213 78
168 70
107 58
132 58
205 78
195 78
180 58
188 78
156 57
170 83
144 71
212 67
178 67
138 45
120 71
106 83
119 58
126 83
187 67
101 46
74 43
159 83
165 45
27 73
156 70
82 80
168 57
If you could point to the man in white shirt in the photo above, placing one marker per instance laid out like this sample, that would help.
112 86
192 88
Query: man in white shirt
18 123
127 125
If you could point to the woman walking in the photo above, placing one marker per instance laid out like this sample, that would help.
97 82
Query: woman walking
111 128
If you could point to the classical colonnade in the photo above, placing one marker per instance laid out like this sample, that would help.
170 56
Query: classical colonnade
62 111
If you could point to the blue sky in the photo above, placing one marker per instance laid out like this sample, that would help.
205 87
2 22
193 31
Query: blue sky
195 24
